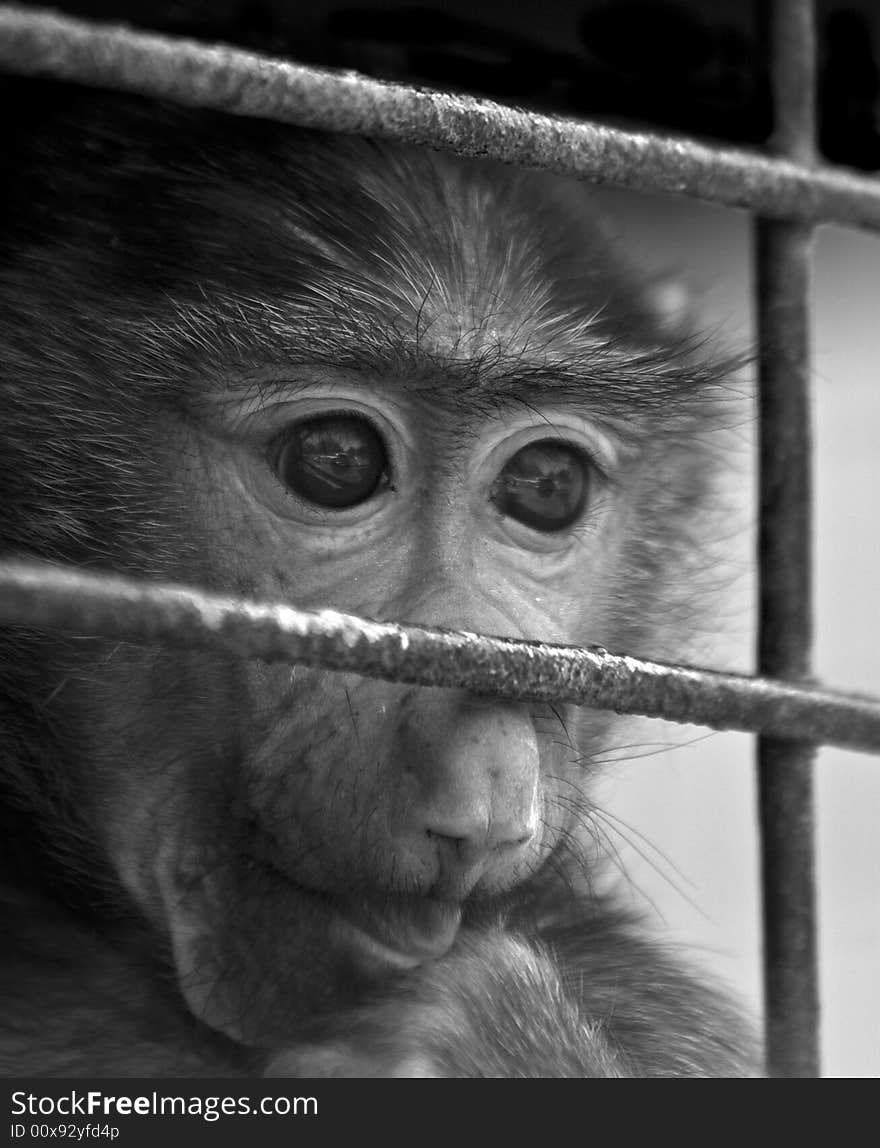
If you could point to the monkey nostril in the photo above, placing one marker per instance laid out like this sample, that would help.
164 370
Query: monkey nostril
517 842
460 852
476 850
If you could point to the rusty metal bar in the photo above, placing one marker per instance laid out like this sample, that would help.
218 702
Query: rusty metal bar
41 43
785 768
79 602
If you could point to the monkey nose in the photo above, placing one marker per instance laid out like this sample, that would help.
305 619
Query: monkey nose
473 797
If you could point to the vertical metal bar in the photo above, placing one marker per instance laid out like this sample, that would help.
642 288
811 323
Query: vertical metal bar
785 782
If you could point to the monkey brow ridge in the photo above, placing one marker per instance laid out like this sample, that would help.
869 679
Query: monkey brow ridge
624 379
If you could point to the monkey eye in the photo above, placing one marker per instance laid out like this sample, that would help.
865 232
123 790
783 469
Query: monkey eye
333 460
544 485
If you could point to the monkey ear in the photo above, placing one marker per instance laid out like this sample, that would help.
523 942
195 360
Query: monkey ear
671 303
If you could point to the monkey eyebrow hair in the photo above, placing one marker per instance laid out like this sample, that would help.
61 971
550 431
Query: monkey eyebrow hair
657 382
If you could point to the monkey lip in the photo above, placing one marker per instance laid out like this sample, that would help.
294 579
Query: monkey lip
404 934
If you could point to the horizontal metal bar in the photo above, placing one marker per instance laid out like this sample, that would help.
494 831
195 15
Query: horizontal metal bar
75 601
41 43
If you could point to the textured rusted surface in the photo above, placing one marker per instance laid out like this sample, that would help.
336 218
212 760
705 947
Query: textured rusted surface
785 768
34 42
84 603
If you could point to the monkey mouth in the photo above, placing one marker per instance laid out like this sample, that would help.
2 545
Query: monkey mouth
381 930
402 933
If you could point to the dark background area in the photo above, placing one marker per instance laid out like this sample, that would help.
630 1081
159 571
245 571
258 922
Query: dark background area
680 65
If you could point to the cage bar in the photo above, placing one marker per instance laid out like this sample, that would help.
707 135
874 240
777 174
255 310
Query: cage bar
785 767
85 603
42 43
